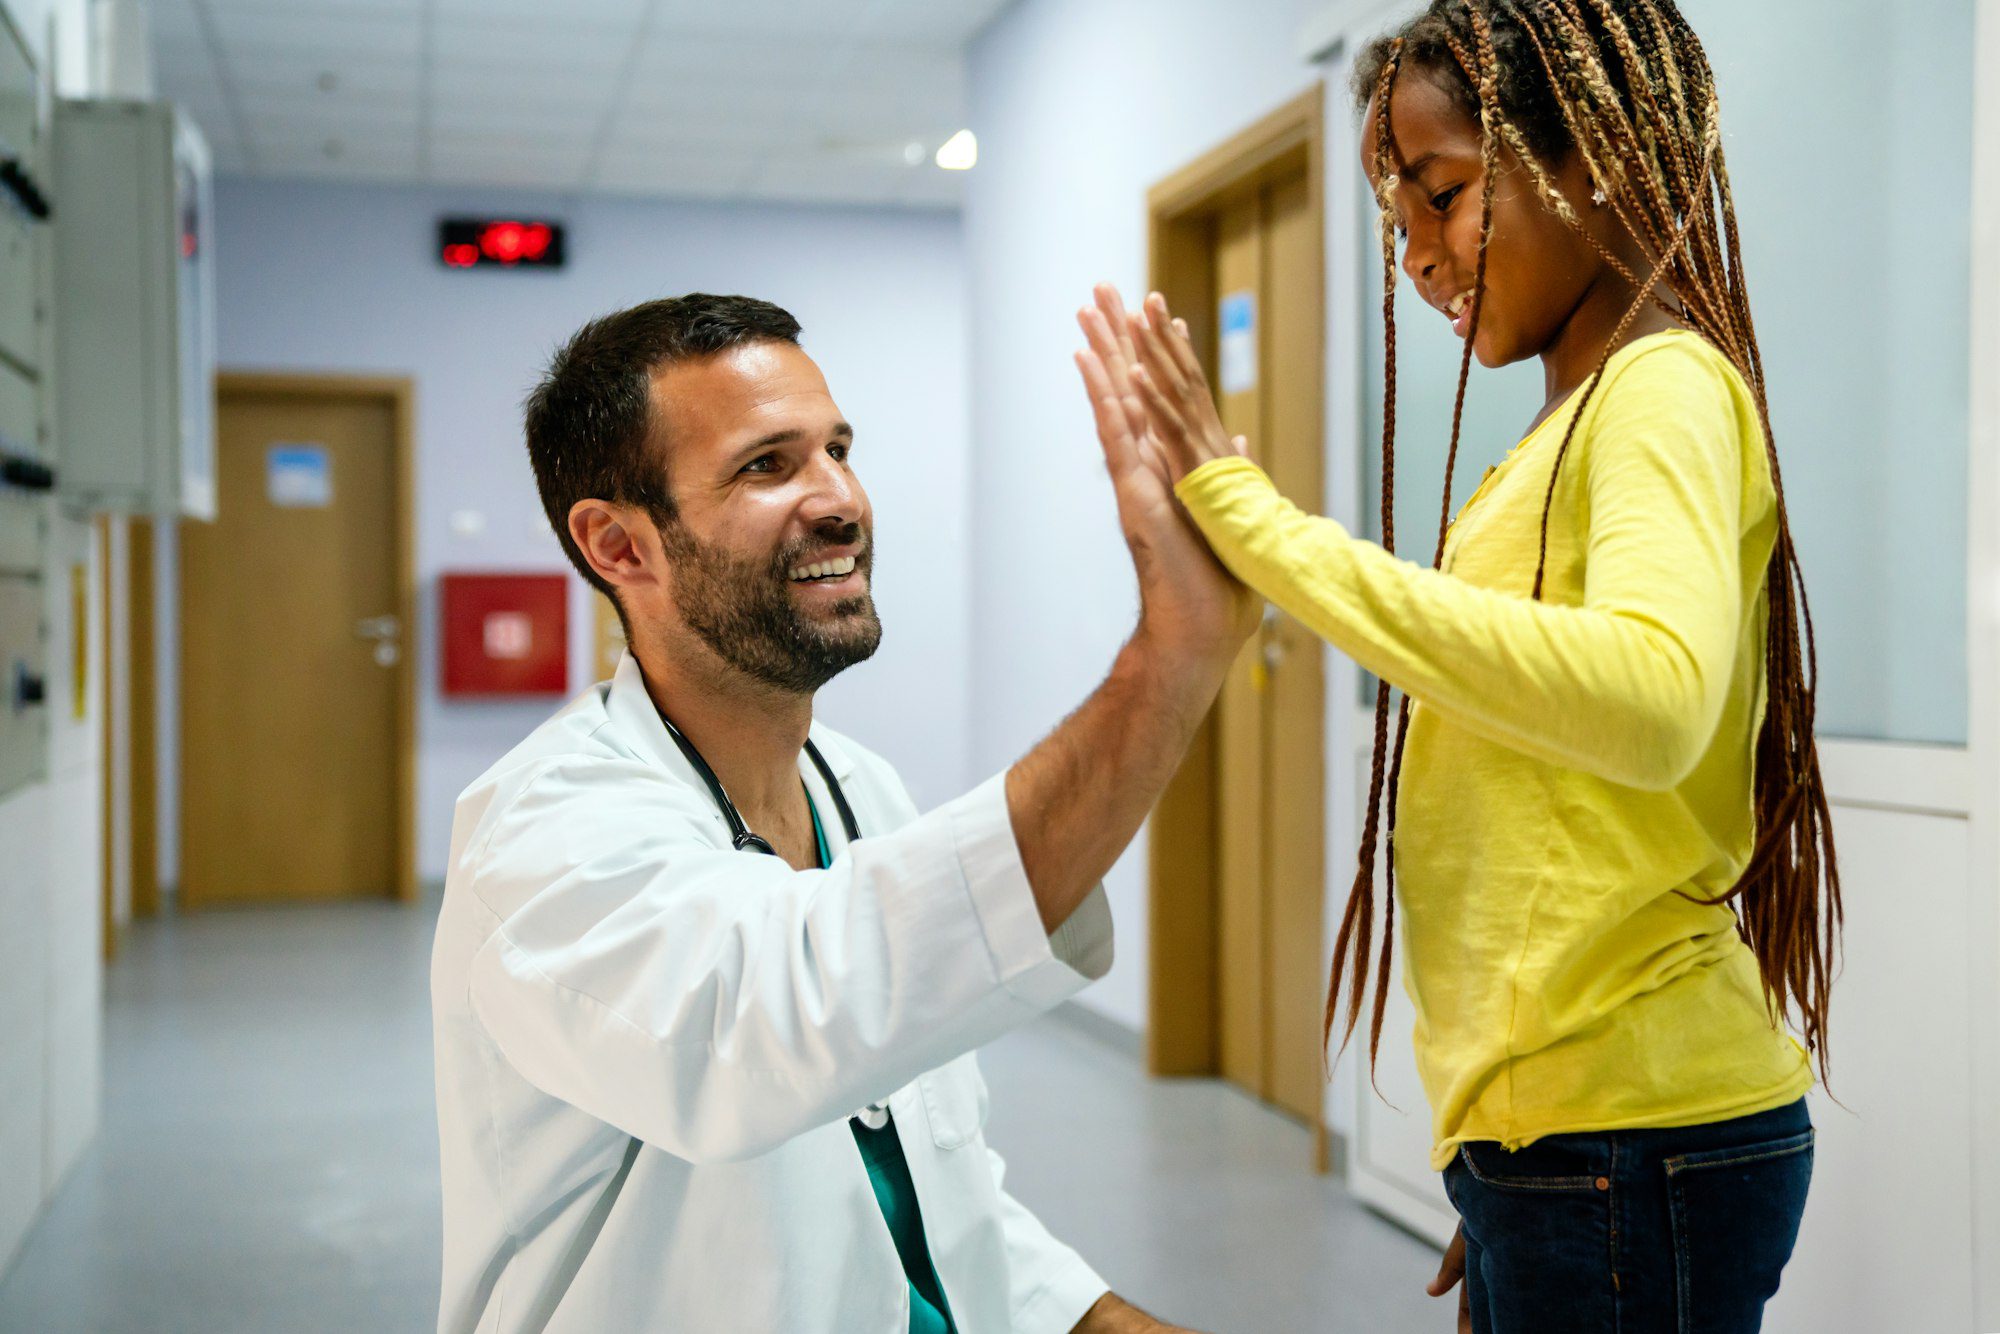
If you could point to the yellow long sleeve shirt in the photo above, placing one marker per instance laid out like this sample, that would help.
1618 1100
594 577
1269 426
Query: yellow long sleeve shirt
1571 763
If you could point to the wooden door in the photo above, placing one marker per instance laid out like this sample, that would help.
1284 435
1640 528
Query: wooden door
1270 815
1239 874
294 664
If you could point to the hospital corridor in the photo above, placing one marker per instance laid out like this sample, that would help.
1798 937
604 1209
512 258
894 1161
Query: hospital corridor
999 666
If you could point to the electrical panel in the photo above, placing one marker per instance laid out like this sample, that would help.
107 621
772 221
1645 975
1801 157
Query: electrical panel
135 323
26 474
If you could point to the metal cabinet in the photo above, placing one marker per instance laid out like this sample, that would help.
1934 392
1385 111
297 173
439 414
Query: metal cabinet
135 321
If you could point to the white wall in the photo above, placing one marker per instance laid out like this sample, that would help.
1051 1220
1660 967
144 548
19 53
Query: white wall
1079 108
50 952
318 277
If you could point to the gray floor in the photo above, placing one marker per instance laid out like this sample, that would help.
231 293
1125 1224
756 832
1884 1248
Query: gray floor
268 1158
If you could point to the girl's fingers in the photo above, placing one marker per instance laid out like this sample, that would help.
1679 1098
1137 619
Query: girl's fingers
1167 427
1451 1270
1162 411
1241 444
1153 355
1173 338
1183 349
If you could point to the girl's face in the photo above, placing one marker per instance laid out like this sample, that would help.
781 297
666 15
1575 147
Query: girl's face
1538 271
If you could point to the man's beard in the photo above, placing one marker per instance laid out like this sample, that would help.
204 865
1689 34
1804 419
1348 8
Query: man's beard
743 609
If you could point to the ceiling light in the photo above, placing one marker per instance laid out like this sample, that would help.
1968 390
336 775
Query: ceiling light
913 153
959 152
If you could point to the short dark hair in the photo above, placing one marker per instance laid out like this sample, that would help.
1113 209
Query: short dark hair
590 421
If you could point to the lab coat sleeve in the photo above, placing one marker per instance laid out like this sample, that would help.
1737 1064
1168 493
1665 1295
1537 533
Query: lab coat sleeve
715 1004
1050 1286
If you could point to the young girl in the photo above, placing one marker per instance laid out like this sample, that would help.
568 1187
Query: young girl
1606 819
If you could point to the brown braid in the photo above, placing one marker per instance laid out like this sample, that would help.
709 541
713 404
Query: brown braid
1357 924
1626 86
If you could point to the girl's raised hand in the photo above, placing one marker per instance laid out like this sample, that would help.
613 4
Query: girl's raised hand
1180 409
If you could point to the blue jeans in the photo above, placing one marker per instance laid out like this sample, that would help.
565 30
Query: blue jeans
1634 1232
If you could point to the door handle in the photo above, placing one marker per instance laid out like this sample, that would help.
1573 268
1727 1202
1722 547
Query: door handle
384 631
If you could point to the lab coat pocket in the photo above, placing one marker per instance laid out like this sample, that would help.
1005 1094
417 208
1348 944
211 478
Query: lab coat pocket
954 1102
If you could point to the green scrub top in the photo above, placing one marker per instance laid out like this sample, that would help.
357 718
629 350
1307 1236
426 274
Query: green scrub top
889 1174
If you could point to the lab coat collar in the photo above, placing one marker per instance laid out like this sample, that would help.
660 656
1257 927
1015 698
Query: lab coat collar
638 724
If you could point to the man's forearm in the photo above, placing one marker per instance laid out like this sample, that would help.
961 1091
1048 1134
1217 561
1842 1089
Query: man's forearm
1077 799
1113 1316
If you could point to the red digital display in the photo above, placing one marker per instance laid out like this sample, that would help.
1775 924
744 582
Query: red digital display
510 243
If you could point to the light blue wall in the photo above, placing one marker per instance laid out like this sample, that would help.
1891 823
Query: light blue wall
1849 144
318 277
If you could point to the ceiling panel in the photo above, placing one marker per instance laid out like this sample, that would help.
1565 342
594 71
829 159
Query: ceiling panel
941 24
762 19
538 86
369 160
586 50
708 175
318 79
249 34
810 100
551 171
572 128
594 13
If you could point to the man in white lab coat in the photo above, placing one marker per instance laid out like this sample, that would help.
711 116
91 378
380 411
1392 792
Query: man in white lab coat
704 1061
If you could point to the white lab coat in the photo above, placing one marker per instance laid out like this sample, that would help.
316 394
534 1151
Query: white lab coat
648 1046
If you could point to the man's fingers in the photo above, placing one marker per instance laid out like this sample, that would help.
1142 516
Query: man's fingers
1096 380
1113 307
1116 354
1113 430
1098 331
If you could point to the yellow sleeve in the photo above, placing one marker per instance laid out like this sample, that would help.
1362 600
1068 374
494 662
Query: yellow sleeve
1630 685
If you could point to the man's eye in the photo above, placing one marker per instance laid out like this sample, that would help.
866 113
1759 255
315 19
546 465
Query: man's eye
1443 200
839 452
762 463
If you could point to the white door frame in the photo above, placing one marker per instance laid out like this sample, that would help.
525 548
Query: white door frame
1982 625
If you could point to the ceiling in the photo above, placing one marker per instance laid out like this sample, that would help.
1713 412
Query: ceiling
814 101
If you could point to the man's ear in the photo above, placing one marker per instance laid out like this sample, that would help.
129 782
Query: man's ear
617 541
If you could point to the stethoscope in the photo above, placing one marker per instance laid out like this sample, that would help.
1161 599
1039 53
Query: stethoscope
740 836
874 1116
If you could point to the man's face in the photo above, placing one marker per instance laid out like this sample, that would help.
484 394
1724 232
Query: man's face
769 558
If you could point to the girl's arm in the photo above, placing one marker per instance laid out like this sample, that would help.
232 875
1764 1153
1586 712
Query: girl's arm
1628 686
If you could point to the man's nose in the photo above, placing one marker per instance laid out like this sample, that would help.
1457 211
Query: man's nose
835 494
